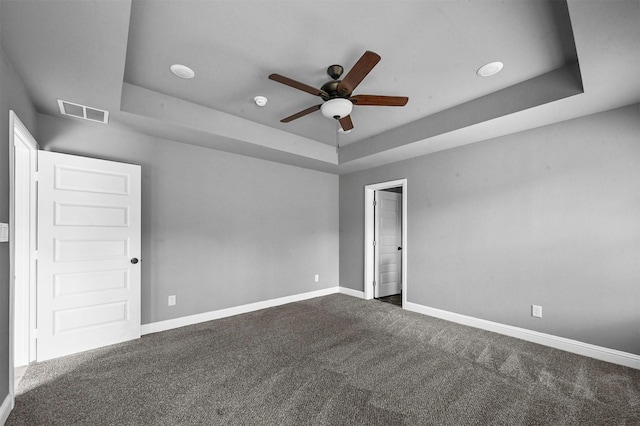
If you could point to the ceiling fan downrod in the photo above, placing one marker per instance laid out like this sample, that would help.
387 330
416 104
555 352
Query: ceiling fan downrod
331 87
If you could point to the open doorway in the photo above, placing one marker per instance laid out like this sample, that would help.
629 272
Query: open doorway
385 241
388 245
22 240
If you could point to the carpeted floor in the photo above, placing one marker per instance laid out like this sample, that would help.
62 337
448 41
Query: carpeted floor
334 360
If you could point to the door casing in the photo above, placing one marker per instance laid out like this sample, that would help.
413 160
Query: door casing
26 314
369 235
385 250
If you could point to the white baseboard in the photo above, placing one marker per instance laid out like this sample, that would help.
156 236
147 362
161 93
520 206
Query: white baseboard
228 312
350 292
574 346
5 409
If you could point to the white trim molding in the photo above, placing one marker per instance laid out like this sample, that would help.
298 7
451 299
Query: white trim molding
369 231
351 292
5 408
569 345
155 327
19 134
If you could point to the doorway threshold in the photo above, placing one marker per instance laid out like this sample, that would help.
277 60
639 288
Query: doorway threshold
394 299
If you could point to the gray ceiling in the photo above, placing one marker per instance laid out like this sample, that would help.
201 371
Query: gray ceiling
116 55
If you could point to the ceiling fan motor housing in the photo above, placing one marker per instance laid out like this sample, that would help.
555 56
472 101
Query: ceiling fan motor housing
331 89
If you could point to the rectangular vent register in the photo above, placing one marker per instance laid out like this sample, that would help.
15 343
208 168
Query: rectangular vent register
82 111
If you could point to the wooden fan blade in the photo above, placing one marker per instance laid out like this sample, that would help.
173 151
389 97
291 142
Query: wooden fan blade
301 114
359 71
377 100
297 85
346 123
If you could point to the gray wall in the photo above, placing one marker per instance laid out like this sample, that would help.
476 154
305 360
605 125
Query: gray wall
218 229
13 96
547 216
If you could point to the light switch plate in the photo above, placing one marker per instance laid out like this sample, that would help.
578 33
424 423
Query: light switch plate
4 232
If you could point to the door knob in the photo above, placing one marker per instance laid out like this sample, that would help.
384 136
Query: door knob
399 248
134 260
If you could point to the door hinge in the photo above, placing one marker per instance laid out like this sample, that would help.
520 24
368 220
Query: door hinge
35 255
375 203
374 283
36 176
35 333
374 243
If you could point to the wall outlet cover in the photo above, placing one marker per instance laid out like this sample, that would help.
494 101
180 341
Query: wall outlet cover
536 311
4 233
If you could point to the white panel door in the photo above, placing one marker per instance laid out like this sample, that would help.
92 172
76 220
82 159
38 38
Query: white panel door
88 282
388 212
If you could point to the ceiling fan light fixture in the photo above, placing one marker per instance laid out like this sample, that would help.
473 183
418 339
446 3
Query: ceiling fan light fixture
336 108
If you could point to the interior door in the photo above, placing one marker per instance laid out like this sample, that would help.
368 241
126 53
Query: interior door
88 275
388 214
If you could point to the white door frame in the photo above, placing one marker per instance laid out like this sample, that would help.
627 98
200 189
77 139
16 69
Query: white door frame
18 133
369 226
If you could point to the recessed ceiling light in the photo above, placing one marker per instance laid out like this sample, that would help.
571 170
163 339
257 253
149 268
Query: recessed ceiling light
260 101
490 69
182 71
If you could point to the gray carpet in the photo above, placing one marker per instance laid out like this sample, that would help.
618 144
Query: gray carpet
333 360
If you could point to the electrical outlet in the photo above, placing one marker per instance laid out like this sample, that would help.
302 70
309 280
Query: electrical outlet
536 311
172 300
4 232
317 277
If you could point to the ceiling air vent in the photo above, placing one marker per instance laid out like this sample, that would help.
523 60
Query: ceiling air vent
83 111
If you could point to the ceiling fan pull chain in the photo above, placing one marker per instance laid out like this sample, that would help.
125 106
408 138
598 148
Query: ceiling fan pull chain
337 135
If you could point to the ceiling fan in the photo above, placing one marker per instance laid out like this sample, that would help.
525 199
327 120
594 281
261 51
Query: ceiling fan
337 94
